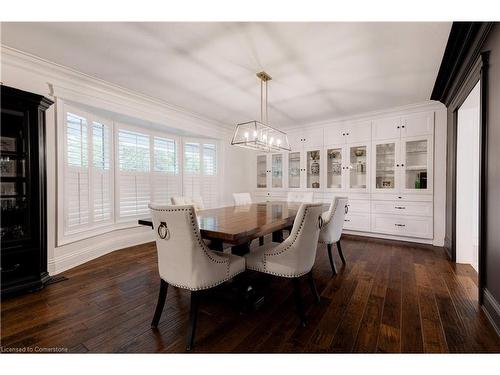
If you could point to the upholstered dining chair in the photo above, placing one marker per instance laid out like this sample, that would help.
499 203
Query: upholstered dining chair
196 201
241 199
293 257
299 197
333 223
184 260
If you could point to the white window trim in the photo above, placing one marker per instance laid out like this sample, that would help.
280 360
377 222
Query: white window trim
102 227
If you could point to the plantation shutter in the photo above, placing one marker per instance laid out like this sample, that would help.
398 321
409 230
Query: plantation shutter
210 191
192 169
101 172
200 172
134 177
165 177
76 173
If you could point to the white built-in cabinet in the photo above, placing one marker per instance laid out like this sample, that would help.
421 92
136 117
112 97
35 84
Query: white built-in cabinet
384 166
270 171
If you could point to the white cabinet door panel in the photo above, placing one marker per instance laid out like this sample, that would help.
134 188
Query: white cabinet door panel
334 134
313 138
359 206
354 221
295 140
358 132
386 128
418 124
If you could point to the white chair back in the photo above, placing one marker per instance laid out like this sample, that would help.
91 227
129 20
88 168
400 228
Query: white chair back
300 197
333 221
183 258
241 199
196 201
295 256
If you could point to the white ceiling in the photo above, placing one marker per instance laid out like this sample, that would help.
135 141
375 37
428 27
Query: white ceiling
320 70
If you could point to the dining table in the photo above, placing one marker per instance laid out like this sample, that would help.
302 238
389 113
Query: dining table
238 226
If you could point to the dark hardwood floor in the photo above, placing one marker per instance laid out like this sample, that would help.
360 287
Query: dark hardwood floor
391 297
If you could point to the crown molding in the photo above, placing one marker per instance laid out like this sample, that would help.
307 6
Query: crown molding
462 50
68 83
428 105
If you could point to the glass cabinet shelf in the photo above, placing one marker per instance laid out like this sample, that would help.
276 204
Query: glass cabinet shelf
357 167
313 169
334 168
294 170
416 159
385 166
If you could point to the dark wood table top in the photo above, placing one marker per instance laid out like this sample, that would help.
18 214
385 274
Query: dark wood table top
241 224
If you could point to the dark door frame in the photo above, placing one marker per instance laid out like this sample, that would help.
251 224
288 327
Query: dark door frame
478 73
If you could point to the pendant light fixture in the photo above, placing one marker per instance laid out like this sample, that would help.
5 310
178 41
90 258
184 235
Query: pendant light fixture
258 135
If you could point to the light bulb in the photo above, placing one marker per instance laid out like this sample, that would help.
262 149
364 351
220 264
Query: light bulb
246 135
271 141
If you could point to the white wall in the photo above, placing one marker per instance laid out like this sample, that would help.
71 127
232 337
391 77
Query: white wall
467 231
32 74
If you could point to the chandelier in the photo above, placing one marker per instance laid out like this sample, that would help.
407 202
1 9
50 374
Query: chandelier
257 135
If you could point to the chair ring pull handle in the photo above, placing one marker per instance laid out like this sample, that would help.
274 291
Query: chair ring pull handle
163 231
320 222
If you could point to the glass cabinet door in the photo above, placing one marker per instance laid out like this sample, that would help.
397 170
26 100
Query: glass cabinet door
334 168
357 167
416 164
294 170
385 166
15 193
262 171
277 171
313 169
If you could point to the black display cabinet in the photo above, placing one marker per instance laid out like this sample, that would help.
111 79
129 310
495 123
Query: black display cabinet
23 224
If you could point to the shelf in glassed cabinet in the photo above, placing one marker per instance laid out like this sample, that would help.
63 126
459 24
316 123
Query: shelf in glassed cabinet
12 178
416 167
13 154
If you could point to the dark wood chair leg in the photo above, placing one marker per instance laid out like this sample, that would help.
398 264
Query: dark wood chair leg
340 252
261 241
312 284
161 302
332 263
193 317
299 302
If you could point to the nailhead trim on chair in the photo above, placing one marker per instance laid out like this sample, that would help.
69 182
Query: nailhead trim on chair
286 248
205 286
289 275
200 242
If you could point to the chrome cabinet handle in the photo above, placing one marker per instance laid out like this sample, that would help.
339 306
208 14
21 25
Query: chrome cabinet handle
400 208
400 225
347 220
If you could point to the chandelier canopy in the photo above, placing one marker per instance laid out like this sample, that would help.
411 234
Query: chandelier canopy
258 135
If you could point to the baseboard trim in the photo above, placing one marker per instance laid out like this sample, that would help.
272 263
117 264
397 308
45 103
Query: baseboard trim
73 259
491 308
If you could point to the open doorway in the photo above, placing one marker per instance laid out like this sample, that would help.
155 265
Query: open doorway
468 179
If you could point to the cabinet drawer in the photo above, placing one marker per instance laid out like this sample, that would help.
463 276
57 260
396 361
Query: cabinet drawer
354 221
402 197
402 208
18 267
409 226
360 206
